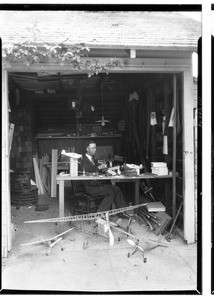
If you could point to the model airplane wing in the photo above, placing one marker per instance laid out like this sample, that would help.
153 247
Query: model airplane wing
71 154
103 121
87 217
135 244
49 239
149 241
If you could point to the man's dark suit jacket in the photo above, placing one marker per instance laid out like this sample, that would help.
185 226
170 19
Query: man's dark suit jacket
89 167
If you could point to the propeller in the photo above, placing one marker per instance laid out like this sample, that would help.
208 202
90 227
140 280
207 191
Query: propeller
102 121
131 242
134 244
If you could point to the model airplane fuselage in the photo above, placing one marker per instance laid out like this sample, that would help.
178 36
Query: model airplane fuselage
88 217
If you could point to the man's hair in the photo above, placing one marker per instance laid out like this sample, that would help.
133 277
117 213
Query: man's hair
87 143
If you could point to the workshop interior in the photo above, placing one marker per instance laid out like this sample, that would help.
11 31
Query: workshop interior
129 116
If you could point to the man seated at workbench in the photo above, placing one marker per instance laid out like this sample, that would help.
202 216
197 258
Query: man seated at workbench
112 193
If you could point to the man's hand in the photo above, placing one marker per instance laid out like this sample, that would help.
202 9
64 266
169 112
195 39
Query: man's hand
102 167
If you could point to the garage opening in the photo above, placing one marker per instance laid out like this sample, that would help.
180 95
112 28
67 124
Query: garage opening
132 113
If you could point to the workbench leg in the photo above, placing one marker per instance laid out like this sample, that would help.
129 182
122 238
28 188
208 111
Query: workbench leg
137 184
49 180
113 204
54 171
61 202
168 197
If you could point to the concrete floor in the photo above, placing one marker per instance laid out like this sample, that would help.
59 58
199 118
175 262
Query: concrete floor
100 267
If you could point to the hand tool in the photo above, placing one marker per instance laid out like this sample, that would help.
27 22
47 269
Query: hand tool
168 237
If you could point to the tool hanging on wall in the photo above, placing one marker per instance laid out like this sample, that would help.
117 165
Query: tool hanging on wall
148 119
163 122
153 123
174 117
165 144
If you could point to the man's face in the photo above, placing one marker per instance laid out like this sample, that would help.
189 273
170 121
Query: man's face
91 149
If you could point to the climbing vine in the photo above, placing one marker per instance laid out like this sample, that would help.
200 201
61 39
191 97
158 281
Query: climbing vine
31 54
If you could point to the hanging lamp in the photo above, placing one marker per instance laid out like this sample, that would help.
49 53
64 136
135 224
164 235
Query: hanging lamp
102 121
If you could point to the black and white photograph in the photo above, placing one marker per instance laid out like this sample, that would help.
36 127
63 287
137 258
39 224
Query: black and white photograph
101 149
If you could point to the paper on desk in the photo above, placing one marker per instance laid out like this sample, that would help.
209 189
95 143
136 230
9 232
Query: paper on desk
71 154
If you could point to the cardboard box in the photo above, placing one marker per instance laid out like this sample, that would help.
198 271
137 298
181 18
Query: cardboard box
160 171
158 164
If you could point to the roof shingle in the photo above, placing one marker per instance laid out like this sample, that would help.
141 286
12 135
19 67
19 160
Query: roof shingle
127 29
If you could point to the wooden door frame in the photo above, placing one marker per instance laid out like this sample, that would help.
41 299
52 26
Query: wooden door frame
6 203
153 65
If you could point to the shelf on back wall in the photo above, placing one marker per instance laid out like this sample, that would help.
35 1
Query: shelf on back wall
78 137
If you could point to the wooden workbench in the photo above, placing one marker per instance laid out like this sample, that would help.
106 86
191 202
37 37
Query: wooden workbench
114 179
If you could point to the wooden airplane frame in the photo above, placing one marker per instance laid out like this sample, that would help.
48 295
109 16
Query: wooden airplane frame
95 216
51 242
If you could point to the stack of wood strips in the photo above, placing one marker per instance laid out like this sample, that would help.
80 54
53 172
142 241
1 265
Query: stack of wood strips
11 130
41 174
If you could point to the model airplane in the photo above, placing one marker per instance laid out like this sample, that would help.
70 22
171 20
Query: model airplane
71 154
117 228
103 219
52 241
90 216
137 248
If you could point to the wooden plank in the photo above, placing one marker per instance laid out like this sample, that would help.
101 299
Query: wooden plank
127 64
37 177
11 131
174 148
61 199
132 53
40 160
6 201
44 174
188 159
35 163
54 159
61 203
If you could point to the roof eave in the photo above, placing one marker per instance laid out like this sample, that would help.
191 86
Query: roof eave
190 48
